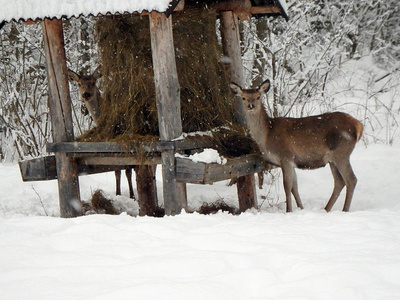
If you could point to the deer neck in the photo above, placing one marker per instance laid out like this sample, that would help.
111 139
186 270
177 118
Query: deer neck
94 106
258 124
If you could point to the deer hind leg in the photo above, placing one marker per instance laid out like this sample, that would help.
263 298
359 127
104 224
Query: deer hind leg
350 181
288 175
295 191
128 173
118 182
338 186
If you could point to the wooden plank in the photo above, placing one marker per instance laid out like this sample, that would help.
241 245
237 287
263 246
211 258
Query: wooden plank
235 167
112 147
44 168
203 173
106 147
263 10
241 8
168 105
231 47
119 160
61 116
189 171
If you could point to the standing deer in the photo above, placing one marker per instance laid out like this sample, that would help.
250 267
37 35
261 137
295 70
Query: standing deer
91 96
305 143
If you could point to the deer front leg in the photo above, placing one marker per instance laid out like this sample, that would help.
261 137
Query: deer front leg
288 173
118 182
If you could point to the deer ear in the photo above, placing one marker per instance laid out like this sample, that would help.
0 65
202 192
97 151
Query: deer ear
97 73
235 88
72 76
264 87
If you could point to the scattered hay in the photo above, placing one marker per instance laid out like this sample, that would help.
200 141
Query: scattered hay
213 208
101 204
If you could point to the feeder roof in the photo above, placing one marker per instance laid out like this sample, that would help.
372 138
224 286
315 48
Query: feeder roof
40 9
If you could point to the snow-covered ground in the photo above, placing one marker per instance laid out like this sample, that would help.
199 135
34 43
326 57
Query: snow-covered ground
265 254
260 254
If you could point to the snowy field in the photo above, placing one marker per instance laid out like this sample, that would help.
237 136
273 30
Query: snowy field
265 254
260 254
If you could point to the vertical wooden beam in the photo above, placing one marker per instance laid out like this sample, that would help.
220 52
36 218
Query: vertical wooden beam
168 106
61 116
231 47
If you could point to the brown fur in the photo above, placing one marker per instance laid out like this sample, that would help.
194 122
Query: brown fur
306 143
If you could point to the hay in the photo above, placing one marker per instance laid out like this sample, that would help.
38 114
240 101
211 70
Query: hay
101 204
129 109
219 205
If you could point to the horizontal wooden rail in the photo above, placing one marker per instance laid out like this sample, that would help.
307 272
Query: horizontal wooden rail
132 147
208 173
44 168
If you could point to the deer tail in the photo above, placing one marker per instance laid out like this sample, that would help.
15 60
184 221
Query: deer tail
359 129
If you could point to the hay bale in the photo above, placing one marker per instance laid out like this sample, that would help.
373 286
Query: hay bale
129 109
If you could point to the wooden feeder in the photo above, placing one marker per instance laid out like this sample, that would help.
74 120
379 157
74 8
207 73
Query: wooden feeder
73 158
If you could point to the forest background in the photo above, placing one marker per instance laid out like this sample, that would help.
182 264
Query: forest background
307 58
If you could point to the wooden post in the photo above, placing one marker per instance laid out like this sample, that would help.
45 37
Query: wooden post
61 116
168 106
231 48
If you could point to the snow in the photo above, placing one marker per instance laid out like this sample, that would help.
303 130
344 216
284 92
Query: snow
32 9
206 156
264 254
283 5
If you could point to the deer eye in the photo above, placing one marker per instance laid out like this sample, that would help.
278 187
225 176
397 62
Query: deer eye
258 98
243 98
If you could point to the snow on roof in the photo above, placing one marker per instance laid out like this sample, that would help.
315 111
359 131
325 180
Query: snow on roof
33 9
283 5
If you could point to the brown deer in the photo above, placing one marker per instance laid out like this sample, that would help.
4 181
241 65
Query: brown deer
91 96
305 143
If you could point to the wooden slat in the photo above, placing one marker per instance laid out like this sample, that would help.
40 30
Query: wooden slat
189 171
241 8
44 168
106 147
235 167
112 147
119 160
203 173
269 9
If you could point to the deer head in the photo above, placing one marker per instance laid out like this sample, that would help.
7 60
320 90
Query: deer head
88 90
251 97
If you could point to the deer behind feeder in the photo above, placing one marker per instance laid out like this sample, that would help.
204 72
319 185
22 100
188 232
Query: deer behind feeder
91 96
305 143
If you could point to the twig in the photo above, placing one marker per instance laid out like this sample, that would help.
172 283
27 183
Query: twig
40 200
